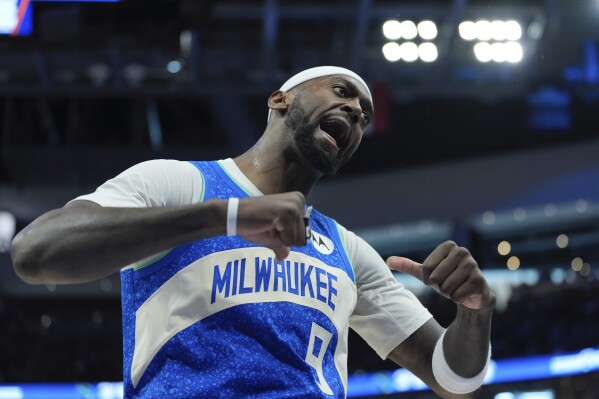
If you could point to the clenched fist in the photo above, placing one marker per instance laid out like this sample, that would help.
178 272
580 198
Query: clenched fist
452 272
275 221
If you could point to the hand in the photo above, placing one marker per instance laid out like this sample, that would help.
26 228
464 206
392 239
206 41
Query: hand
452 272
275 221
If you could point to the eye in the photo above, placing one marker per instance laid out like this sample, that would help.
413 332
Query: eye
366 117
342 91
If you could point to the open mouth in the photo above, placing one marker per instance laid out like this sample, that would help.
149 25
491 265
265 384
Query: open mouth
338 129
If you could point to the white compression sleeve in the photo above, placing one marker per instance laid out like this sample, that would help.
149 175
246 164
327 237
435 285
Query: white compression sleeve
451 381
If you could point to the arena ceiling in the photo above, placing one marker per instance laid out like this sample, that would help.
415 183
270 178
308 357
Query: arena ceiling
97 87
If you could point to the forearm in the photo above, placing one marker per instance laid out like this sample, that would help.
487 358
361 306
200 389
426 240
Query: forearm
466 341
85 242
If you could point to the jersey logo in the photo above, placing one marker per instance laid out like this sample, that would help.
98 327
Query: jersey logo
323 244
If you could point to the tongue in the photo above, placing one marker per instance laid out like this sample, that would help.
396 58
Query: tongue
331 128
329 136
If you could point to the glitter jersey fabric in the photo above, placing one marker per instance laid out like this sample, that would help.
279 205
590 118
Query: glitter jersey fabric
220 318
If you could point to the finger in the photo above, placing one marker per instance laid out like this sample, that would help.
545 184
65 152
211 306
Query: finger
300 234
405 265
277 245
452 284
459 264
290 223
471 293
467 290
439 254
286 230
443 270
281 253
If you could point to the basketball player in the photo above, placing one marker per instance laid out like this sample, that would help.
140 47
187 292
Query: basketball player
235 289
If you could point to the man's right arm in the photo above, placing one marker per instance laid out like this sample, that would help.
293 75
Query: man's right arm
84 241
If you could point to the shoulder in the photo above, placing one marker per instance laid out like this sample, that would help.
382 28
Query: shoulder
357 249
161 167
158 182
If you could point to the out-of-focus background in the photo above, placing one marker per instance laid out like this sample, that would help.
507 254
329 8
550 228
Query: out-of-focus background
486 132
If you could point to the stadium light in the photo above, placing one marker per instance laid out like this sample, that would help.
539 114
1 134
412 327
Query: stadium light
482 51
409 51
392 29
498 52
467 30
428 52
514 52
408 30
497 40
406 49
513 30
483 30
427 30
498 30
392 52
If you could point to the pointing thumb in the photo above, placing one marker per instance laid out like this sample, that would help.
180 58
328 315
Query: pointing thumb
405 265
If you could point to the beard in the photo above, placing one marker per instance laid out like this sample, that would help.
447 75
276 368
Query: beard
298 121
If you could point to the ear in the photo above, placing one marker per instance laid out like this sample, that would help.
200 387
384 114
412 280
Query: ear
280 101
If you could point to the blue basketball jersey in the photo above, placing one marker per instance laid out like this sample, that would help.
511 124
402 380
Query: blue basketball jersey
221 318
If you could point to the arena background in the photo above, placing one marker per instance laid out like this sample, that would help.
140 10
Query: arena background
493 145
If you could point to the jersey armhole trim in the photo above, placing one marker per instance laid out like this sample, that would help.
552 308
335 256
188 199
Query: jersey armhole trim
196 164
155 265
224 174
203 186
334 227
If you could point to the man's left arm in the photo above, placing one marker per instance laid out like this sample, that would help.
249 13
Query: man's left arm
453 361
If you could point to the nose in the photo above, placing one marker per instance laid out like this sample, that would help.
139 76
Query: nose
353 109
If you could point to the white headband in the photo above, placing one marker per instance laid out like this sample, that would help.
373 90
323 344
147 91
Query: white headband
318 72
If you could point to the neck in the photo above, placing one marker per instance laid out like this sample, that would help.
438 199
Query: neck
274 170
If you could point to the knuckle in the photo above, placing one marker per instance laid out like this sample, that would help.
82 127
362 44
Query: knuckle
478 281
450 244
426 277
461 252
298 197
463 256
294 200
471 266
427 270
436 280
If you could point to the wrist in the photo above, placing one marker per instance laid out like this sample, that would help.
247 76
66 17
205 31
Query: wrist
217 209
487 301
449 379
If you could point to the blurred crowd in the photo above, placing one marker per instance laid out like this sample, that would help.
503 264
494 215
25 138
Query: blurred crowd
68 340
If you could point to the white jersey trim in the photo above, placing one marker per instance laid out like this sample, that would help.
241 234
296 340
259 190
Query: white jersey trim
231 169
181 302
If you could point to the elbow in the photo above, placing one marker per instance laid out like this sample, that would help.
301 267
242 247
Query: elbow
25 261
